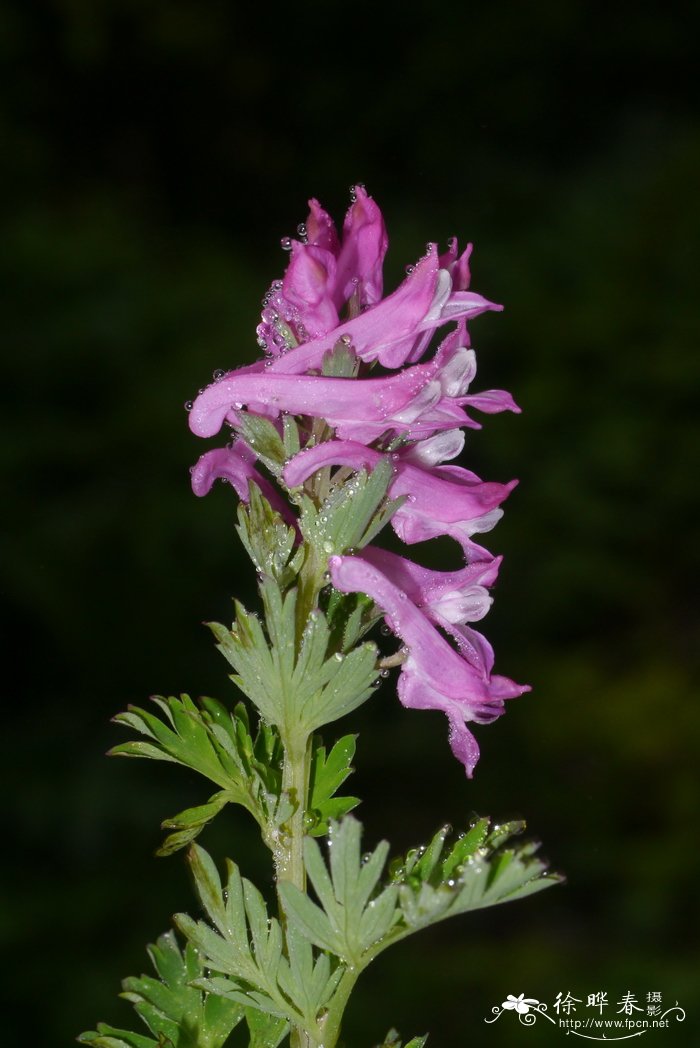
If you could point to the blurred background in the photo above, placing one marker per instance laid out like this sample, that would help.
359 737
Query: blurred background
154 153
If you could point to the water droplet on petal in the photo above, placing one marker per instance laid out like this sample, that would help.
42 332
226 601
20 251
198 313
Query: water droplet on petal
189 404
218 374
410 269
286 243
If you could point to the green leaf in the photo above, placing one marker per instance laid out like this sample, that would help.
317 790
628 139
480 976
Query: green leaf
266 1031
327 775
353 915
109 1037
298 691
474 872
345 518
190 823
245 949
261 435
393 1040
340 362
175 1012
219 745
268 539
290 436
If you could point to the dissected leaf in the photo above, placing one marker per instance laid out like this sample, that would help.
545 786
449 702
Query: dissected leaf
474 872
354 914
246 950
328 773
177 1014
218 744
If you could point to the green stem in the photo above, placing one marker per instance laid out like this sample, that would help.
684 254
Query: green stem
334 1016
289 851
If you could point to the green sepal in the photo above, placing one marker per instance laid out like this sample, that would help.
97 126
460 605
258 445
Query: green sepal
328 773
177 1014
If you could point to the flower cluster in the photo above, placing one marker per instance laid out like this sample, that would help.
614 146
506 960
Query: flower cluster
394 405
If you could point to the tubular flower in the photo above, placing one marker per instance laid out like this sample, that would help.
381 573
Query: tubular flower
234 464
395 330
418 401
447 500
325 275
434 675
324 320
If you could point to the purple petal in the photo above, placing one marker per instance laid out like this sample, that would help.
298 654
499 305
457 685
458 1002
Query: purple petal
361 256
308 285
412 400
415 693
320 228
235 464
434 676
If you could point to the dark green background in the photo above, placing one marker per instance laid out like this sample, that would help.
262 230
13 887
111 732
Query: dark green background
154 154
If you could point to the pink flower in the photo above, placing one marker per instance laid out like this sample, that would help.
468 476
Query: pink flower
324 275
445 500
330 297
434 675
397 329
234 464
417 401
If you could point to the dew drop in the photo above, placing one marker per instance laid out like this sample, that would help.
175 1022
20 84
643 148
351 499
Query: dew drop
286 243
218 374
189 404
410 269
384 674
345 339
301 229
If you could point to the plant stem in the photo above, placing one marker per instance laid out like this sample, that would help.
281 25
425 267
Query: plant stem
289 853
334 1017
